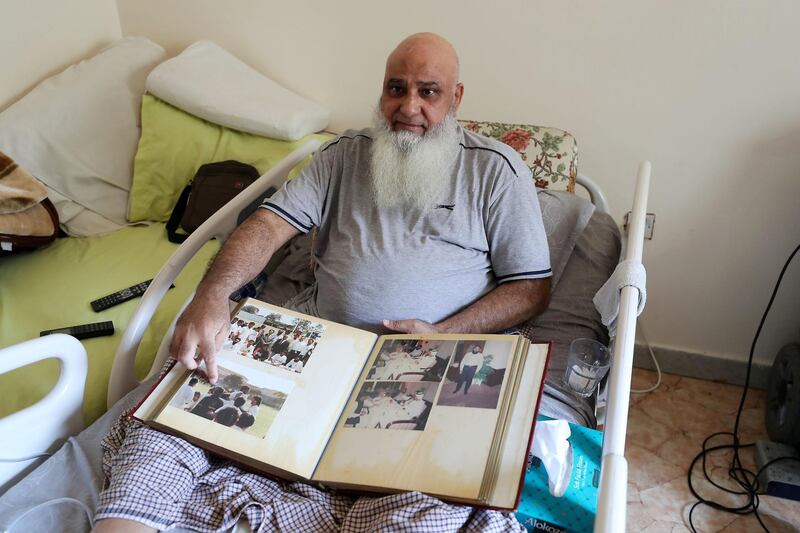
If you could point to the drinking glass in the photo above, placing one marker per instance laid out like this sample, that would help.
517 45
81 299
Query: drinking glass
587 364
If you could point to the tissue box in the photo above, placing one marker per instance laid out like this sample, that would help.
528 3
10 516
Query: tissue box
573 512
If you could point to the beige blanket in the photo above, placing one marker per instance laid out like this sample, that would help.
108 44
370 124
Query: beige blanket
21 212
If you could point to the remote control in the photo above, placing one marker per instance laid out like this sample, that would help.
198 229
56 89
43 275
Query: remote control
84 331
119 297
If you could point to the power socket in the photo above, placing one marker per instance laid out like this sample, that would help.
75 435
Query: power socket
649 224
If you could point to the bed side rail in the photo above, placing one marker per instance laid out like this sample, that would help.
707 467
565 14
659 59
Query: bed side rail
220 225
612 499
596 194
42 426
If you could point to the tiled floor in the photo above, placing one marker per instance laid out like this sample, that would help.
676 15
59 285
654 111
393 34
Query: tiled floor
666 429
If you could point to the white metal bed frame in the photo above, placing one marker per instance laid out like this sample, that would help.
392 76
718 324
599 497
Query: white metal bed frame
42 427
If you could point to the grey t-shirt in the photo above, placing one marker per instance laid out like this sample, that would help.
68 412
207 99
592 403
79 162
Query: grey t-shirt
406 263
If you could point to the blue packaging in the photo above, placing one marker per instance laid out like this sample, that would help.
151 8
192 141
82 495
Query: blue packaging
574 512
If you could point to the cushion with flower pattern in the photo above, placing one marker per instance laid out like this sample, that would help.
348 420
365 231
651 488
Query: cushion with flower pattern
550 153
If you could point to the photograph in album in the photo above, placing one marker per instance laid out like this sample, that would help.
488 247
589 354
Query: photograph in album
393 405
475 374
274 338
245 405
412 360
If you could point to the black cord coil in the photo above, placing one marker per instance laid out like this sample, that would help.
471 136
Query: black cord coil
746 479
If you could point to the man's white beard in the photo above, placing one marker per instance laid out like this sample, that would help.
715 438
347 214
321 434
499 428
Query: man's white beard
411 170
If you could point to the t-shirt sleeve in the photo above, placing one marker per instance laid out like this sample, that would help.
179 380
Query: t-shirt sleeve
517 240
299 202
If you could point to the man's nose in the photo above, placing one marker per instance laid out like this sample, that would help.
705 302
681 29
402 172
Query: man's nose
411 105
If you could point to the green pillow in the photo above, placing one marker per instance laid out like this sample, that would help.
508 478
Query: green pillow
174 144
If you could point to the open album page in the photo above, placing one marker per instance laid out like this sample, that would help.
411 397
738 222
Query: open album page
423 416
284 379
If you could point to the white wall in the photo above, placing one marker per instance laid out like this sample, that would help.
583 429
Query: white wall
39 38
708 91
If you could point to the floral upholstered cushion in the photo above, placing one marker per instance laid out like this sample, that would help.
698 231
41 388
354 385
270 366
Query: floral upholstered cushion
550 153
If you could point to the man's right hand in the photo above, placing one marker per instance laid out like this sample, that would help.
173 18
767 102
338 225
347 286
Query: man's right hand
200 332
204 325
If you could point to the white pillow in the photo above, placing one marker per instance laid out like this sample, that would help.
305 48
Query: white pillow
78 132
207 81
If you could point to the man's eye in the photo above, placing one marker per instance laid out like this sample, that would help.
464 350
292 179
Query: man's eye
395 90
428 92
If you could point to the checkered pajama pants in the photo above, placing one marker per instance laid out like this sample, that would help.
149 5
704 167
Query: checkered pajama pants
165 482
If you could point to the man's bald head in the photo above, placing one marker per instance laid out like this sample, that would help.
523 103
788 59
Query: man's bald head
428 46
420 85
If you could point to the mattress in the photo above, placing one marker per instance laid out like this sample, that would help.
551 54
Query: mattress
52 287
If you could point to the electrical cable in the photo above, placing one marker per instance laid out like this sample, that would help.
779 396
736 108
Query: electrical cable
655 362
744 478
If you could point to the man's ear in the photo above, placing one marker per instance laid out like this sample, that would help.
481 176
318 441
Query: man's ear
458 95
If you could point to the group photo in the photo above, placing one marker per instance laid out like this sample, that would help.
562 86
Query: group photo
234 401
412 360
273 338
475 374
392 405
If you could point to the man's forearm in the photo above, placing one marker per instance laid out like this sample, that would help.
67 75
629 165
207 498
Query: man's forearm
507 305
245 253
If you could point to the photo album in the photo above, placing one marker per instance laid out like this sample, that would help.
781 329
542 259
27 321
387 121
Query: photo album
304 398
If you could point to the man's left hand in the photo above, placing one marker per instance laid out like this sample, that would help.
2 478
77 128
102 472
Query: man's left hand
410 326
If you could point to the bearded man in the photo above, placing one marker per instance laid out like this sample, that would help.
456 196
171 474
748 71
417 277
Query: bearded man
422 227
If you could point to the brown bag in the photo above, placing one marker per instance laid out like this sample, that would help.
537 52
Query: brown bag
28 219
214 185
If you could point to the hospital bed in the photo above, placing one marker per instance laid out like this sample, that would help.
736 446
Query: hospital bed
65 399
72 475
